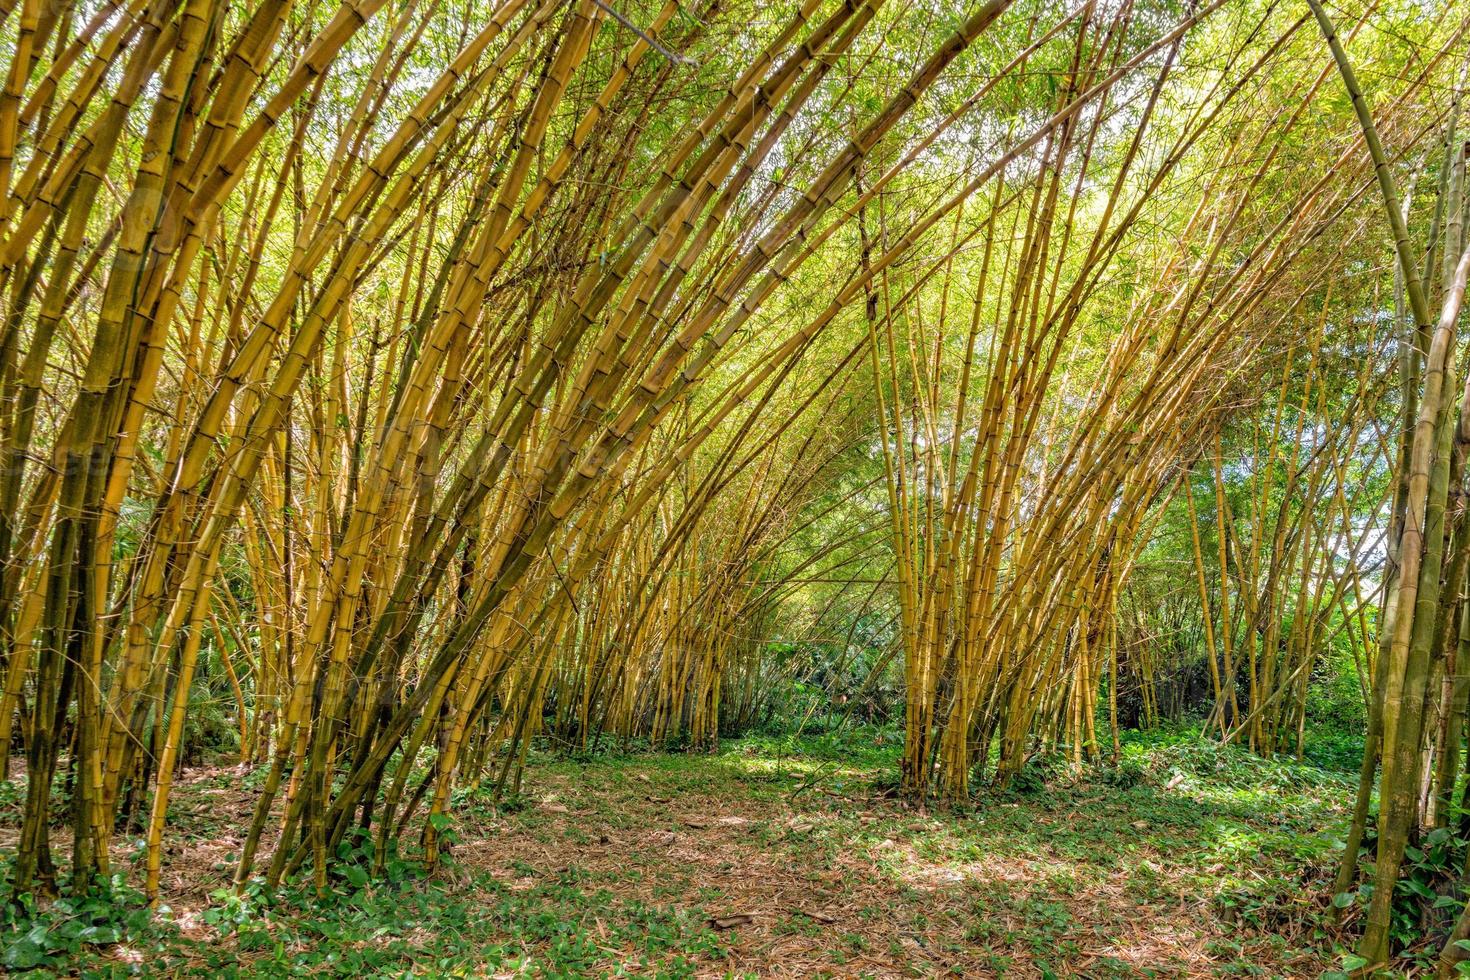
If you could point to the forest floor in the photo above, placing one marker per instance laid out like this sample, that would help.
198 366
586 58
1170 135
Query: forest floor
778 857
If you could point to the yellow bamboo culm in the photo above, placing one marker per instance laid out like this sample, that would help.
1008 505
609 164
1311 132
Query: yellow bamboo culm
389 393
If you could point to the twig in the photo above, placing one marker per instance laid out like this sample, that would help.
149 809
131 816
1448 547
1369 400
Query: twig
677 59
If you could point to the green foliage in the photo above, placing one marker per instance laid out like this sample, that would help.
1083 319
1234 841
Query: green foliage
417 927
1336 749
1129 772
397 924
1334 697
1035 775
854 745
1233 766
71 927
1429 895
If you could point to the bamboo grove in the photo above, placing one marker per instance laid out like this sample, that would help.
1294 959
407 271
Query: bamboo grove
390 386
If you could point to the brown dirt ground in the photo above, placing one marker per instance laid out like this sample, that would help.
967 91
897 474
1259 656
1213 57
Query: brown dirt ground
817 882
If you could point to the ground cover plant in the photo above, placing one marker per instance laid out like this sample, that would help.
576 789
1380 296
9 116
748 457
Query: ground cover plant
1181 861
